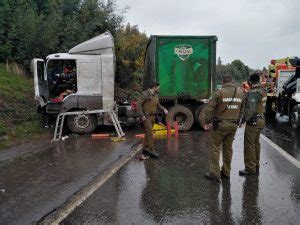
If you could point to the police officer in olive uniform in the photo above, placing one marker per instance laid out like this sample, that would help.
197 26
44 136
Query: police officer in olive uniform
147 106
254 117
224 111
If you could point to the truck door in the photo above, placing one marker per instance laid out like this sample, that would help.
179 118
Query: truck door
41 89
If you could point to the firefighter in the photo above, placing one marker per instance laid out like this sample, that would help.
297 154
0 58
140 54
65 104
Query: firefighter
224 111
147 105
255 122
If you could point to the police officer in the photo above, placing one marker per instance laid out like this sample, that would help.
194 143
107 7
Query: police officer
147 106
224 111
255 122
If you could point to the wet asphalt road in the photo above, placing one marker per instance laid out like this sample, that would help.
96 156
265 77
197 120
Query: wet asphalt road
172 190
279 131
34 184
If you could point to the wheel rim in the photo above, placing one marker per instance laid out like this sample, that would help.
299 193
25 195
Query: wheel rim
180 118
294 119
81 121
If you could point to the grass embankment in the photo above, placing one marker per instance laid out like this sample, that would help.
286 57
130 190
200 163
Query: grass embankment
18 118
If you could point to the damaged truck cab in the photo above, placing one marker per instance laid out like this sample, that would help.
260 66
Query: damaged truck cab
290 99
283 87
82 79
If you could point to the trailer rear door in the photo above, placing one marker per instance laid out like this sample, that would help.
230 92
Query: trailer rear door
184 66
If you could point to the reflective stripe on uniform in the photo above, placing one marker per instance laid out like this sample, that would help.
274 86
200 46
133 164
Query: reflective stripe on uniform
232 100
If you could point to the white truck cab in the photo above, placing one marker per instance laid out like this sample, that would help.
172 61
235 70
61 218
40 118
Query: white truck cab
82 79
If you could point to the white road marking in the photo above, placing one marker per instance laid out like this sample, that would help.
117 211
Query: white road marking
79 197
286 155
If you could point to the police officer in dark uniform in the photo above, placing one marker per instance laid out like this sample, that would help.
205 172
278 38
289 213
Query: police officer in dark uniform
147 106
224 111
255 122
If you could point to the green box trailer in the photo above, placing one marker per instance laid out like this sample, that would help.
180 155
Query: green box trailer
185 68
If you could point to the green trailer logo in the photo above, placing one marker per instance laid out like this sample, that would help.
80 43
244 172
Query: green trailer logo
183 51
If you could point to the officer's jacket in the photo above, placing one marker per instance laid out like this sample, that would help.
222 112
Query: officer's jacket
255 102
225 104
148 103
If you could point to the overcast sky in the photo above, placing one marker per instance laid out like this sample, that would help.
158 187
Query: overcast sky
254 31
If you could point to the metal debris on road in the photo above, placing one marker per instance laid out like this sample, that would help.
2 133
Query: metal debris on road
143 157
65 137
100 135
140 135
117 139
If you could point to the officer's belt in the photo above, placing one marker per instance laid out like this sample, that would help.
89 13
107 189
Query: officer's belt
226 121
259 116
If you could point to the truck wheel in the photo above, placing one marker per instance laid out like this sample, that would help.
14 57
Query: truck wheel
182 115
294 118
270 113
82 124
197 113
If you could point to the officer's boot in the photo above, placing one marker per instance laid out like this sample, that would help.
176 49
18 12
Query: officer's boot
247 172
152 153
211 177
223 175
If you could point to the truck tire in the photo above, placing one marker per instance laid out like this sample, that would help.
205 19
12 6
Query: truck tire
197 113
270 113
82 124
182 115
294 118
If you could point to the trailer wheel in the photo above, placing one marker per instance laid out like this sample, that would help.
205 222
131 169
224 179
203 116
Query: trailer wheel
197 114
270 113
82 124
182 115
294 118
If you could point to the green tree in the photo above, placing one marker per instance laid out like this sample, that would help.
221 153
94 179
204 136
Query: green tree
23 32
36 28
236 68
130 50
5 24
241 71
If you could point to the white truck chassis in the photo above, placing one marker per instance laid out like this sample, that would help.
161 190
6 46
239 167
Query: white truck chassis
61 118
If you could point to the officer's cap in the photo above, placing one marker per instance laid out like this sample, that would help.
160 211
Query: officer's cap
227 78
254 78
